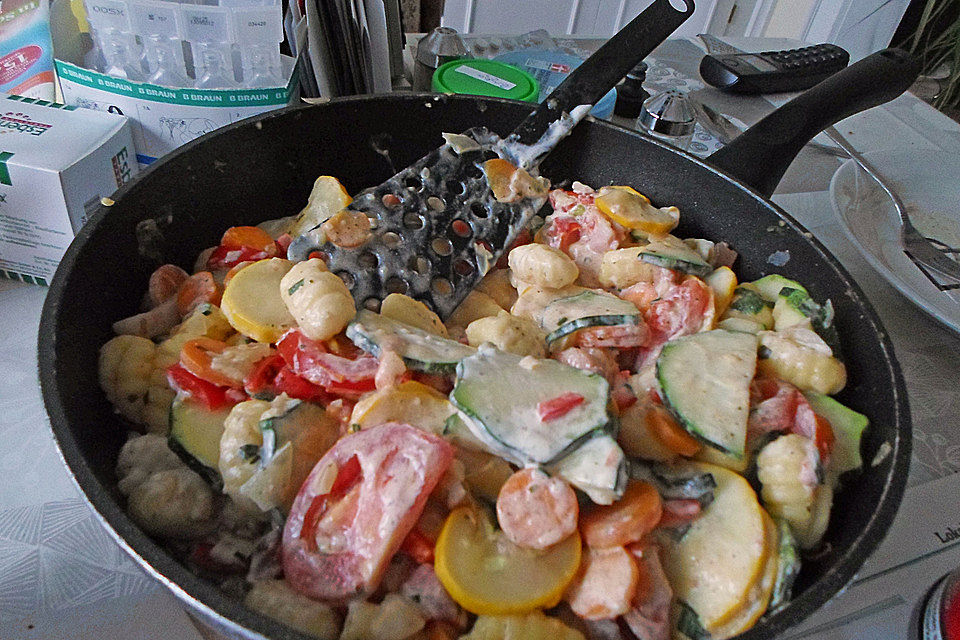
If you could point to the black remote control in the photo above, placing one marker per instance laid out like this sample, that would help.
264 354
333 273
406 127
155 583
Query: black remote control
773 71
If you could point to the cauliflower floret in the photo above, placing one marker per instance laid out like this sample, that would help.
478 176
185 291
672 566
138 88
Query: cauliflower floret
174 503
276 599
140 458
319 300
509 333
134 384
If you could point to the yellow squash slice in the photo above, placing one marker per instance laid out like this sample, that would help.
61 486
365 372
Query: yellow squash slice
486 574
717 562
252 303
633 210
758 597
532 626
326 198
411 402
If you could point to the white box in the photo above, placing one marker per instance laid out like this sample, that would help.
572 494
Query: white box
162 118
56 163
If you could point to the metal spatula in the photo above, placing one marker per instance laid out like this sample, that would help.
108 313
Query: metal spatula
436 226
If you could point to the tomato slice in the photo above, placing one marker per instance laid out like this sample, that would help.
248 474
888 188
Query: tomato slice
340 535
681 311
337 374
778 406
562 232
418 546
210 395
679 511
263 374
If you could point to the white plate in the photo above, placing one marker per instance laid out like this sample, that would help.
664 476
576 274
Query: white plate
928 182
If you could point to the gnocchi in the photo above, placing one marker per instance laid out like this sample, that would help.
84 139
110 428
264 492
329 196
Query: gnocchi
174 503
799 356
319 300
543 266
509 333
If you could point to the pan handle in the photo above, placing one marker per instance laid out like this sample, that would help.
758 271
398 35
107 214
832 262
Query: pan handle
761 155
600 72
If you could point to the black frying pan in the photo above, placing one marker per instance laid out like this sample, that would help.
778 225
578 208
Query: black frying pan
264 167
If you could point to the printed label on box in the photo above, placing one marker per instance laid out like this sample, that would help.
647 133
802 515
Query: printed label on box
164 118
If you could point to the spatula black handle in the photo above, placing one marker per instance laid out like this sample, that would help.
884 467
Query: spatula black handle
761 154
603 70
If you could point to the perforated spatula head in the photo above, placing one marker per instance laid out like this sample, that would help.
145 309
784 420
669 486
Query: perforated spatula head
435 227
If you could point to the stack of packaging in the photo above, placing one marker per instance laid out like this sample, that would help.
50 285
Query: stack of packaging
178 70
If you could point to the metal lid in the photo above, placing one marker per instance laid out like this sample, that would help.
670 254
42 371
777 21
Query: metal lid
440 45
668 113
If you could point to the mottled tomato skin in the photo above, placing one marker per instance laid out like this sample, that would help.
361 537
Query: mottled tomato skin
399 467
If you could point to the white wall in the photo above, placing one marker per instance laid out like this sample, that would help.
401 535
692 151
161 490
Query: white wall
559 17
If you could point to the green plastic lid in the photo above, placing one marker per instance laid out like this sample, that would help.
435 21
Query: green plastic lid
481 77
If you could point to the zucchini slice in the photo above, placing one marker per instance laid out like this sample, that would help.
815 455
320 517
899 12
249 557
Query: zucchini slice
598 467
588 309
503 393
788 566
848 427
195 436
769 287
705 380
795 306
672 253
420 350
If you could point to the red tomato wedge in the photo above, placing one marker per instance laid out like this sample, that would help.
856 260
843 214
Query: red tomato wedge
678 313
311 359
341 535
778 406
209 395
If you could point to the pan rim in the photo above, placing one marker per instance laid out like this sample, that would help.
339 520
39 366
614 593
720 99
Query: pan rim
232 615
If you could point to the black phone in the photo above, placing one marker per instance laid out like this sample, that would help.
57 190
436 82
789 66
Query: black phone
773 71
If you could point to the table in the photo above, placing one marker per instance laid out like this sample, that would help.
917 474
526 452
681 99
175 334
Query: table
62 576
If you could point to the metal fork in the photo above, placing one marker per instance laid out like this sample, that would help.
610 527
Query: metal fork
914 243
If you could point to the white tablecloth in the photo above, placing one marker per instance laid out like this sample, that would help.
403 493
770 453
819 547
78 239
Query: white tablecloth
61 576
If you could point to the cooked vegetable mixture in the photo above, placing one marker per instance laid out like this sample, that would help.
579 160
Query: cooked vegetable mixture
612 435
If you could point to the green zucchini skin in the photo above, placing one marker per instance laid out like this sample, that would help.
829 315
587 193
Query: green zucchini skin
502 396
672 253
419 349
704 380
592 321
788 567
195 436
563 316
748 302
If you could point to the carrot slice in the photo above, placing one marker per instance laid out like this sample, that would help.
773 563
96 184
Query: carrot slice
606 584
252 237
197 289
669 433
535 510
196 357
628 520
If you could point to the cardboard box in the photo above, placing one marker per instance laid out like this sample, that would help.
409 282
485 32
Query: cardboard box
162 118
56 163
